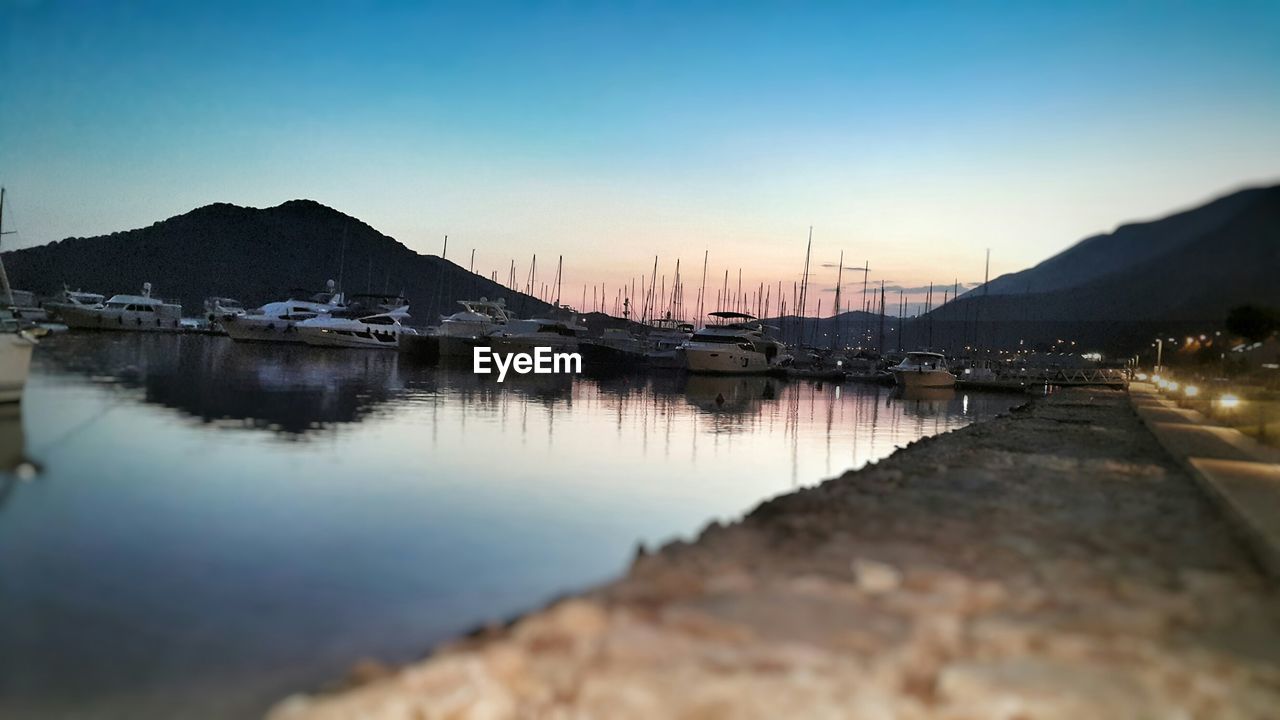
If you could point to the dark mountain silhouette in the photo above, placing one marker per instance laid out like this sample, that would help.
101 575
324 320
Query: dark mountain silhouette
256 255
1130 246
1192 266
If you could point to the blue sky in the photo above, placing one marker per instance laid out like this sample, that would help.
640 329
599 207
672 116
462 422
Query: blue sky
913 135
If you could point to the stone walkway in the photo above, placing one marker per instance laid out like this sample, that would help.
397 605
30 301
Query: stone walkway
1053 563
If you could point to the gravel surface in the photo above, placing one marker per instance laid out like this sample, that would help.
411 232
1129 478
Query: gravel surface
1052 563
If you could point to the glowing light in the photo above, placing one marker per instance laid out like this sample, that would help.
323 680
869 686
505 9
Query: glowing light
1156 379
1229 401
1173 385
1142 376
1191 391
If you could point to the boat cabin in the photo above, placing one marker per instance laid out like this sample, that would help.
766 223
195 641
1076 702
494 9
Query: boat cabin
924 361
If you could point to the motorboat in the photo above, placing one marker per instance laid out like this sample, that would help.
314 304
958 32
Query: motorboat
73 298
134 313
736 345
525 335
478 320
277 321
378 331
923 370
23 306
665 338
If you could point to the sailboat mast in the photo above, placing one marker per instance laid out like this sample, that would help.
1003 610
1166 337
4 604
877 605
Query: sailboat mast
702 293
839 279
4 275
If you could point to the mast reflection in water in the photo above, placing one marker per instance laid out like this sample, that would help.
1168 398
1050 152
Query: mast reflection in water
214 525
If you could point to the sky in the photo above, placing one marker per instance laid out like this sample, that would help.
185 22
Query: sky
912 136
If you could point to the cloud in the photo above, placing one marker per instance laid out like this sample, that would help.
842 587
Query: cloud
846 267
938 288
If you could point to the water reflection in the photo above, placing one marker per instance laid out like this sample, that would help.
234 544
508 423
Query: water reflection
205 568
15 466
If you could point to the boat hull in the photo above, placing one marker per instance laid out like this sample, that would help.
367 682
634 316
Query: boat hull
15 365
665 359
261 329
924 378
90 318
352 339
725 360
423 348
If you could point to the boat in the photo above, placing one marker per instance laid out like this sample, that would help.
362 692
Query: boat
615 349
379 331
73 298
470 327
665 338
923 370
277 321
22 305
132 313
525 335
16 344
737 345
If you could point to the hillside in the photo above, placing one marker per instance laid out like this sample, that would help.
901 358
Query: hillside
1133 245
255 255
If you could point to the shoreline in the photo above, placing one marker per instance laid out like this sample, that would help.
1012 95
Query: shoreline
1053 562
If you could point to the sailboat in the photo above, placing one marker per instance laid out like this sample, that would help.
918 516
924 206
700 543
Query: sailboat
16 344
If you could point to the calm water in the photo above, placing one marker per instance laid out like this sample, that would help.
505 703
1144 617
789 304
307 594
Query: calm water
217 525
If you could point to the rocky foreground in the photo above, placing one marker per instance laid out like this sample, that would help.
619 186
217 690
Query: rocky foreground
1053 563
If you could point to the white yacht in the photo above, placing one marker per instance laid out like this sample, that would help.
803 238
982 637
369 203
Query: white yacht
136 313
478 320
524 335
923 370
378 331
277 321
737 345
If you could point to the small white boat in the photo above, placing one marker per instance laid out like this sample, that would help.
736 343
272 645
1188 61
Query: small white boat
923 370
73 298
277 321
736 346
380 331
478 320
131 313
23 306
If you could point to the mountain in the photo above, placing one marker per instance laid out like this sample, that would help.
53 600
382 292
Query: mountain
1170 277
1193 266
1132 245
256 255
